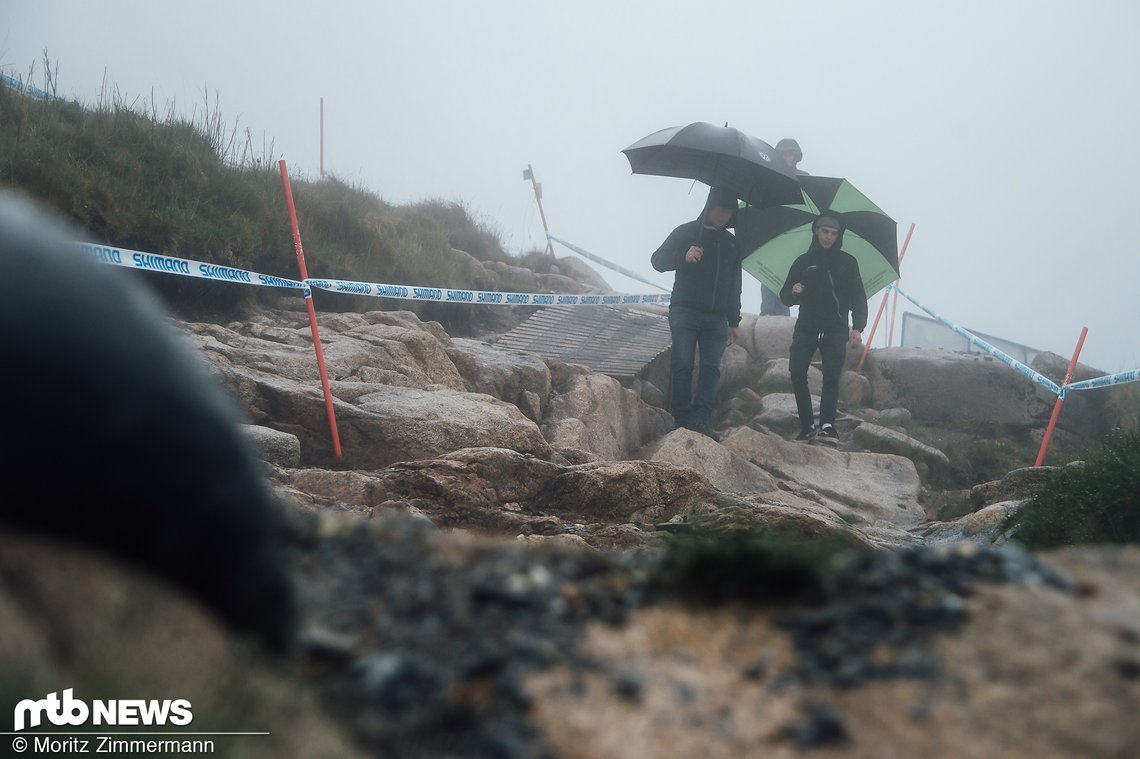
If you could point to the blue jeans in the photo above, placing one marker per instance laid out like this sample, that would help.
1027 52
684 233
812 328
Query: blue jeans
832 346
693 330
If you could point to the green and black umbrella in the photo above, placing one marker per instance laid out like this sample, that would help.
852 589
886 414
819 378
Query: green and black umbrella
773 237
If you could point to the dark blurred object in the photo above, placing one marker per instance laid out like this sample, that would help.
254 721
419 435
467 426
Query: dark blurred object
119 439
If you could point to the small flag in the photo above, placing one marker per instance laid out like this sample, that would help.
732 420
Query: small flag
527 175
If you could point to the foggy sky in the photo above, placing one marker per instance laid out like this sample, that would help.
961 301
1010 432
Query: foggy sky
1004 131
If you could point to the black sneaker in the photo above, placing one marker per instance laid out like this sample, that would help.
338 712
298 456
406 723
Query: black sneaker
828 434
808 435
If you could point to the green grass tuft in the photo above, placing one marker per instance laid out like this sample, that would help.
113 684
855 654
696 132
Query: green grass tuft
1096 502
711 566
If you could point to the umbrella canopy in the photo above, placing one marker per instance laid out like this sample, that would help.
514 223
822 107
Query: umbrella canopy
719 157
772 238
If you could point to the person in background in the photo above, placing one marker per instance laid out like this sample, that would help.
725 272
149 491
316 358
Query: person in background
704 310
825 283
790 153
770 303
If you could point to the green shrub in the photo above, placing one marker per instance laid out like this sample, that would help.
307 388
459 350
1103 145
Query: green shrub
536 260
462 231
1095 502
717 565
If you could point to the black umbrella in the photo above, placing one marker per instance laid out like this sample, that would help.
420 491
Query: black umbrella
719 157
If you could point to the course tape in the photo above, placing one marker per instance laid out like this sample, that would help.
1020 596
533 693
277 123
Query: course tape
1037 377
609 265
135 259
1132 375
486 297
20 86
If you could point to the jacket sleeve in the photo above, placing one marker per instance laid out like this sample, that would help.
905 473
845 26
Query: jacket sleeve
672 252
795 272
858 298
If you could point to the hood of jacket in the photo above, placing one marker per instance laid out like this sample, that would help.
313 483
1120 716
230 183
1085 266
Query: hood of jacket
725 198
815 246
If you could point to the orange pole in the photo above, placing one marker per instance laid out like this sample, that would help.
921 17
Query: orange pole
1060 399
312 311
541 213
879 313
871 336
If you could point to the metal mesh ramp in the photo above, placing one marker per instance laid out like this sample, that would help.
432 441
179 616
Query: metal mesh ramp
619 342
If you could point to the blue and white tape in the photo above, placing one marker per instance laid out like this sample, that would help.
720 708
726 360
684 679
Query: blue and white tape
482 297
1037 377
28 89
608 264
136 259
1132 375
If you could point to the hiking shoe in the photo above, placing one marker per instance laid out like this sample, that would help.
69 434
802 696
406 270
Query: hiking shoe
808 435
827 434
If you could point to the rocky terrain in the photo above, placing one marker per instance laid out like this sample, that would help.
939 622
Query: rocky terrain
478 574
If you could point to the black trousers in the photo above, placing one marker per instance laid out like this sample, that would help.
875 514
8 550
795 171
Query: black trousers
832 347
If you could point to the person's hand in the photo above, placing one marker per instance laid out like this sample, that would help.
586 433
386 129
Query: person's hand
694 254
798 288
731 335
856 338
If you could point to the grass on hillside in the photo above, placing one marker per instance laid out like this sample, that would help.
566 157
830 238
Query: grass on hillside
1095 502
135 176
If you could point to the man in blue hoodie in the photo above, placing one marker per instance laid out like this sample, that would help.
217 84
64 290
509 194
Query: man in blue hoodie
704 310
825 283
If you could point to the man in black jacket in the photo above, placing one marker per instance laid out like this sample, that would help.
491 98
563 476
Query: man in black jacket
704 310
825 283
